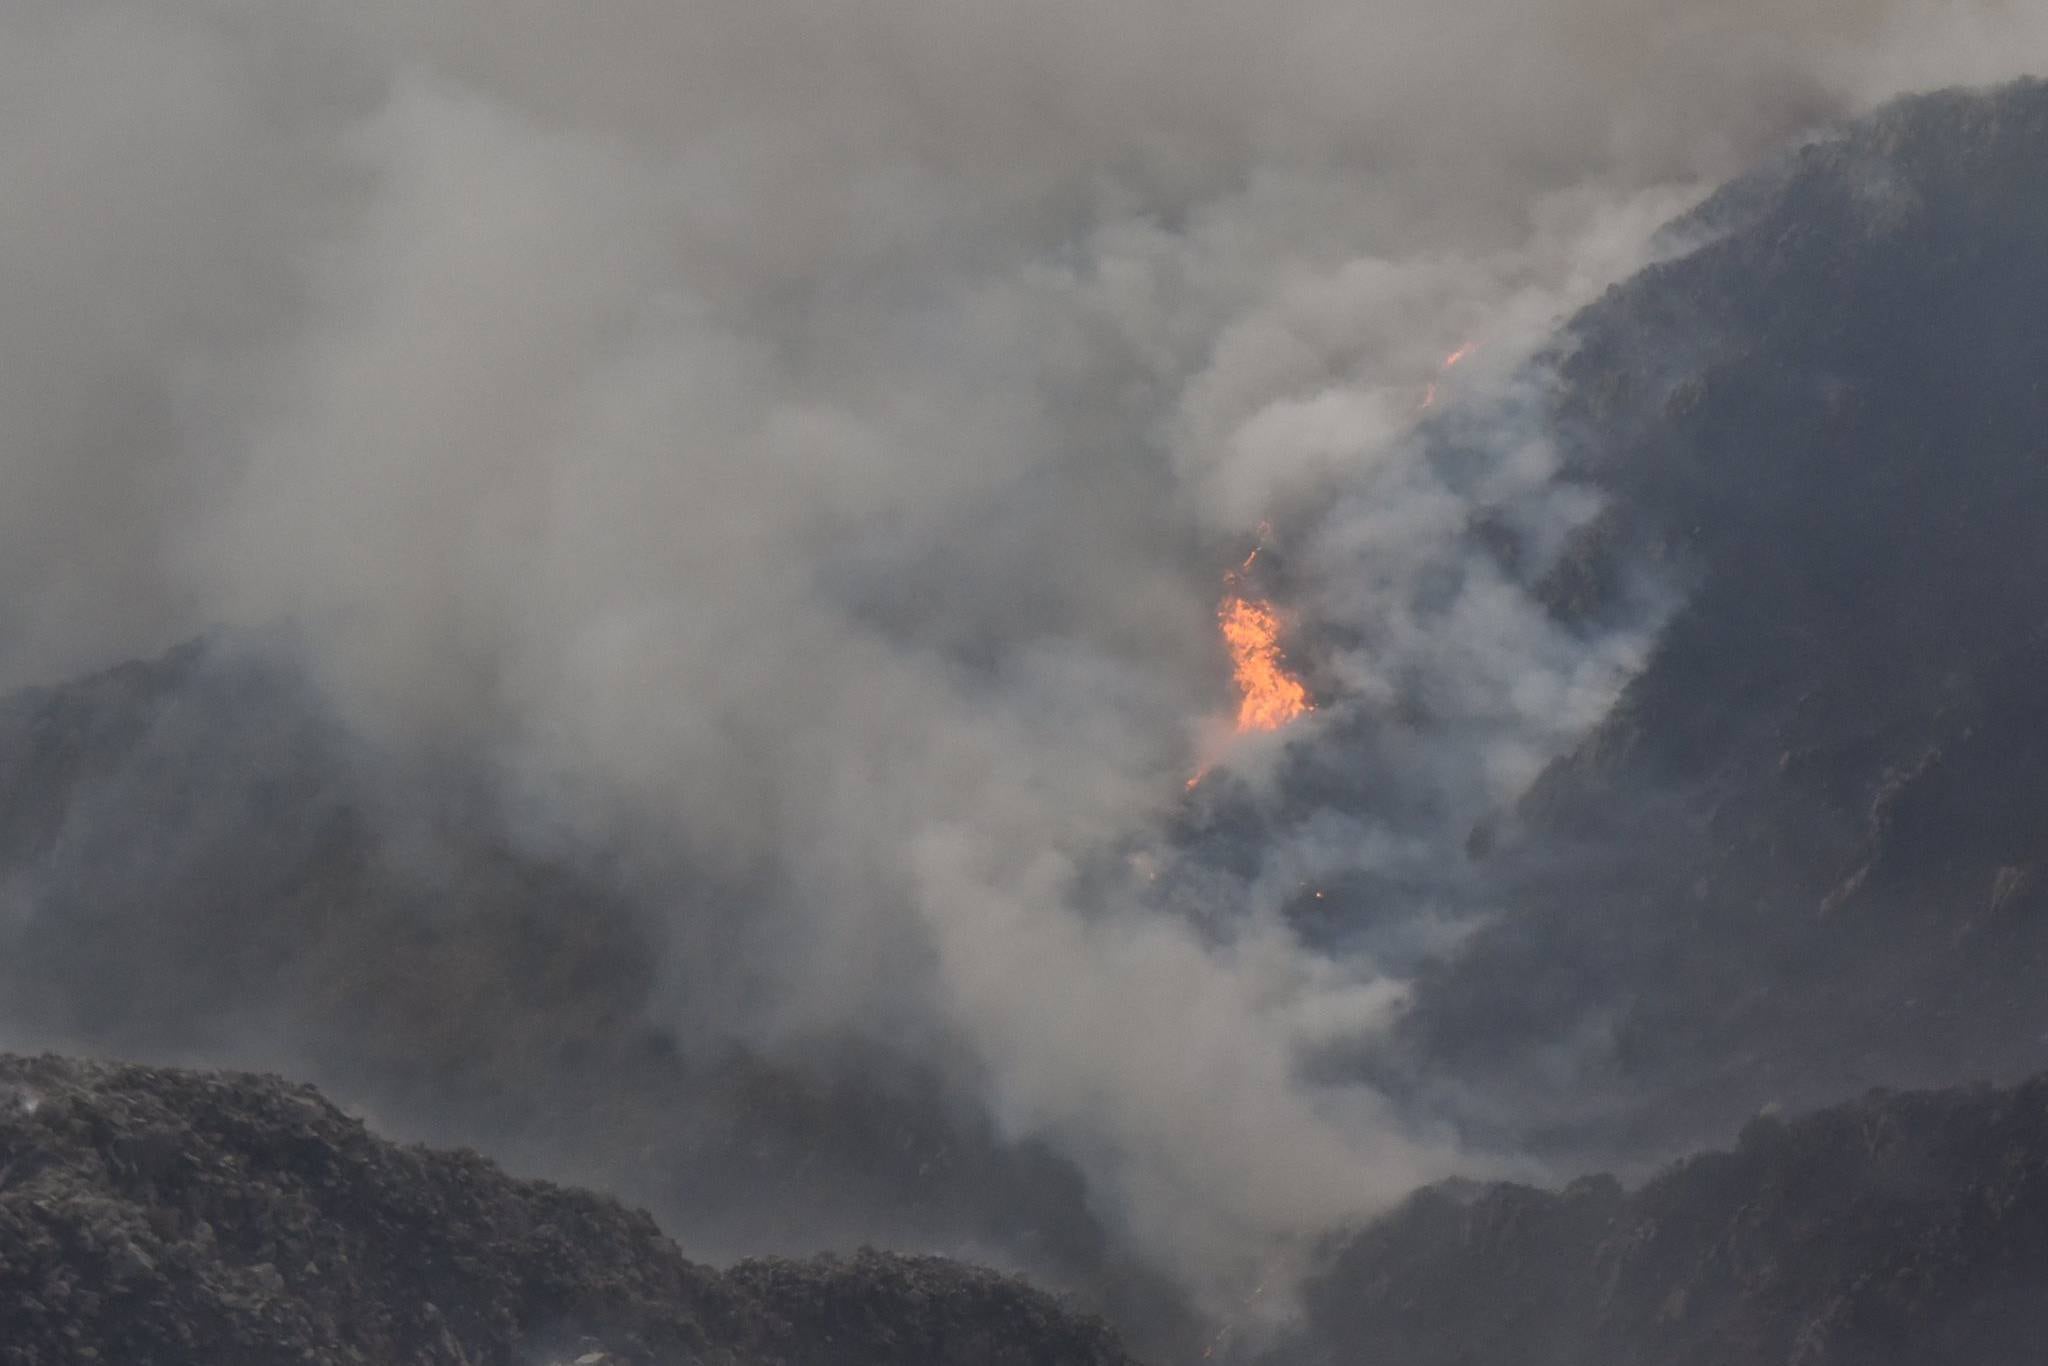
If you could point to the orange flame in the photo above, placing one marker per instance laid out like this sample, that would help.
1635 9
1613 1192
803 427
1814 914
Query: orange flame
1450 363
1271 696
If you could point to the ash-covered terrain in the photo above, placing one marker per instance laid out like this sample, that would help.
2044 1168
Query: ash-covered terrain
830 834
1894 1228
1800 855
153 1215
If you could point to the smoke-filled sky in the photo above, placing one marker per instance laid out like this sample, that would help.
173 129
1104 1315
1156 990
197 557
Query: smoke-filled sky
801 445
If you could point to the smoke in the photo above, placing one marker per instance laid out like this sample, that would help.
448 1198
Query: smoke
801 447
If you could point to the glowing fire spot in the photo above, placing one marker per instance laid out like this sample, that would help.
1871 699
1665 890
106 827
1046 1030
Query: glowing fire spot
1221 1337
1450 363
1271 696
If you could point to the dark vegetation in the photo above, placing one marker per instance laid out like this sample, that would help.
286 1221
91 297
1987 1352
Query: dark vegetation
157 1215
1897 1230
193 864
1805 853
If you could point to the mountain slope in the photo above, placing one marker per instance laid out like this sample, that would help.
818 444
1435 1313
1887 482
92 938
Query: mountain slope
158 1215
1808 851
195 863
1895 1229
1804 852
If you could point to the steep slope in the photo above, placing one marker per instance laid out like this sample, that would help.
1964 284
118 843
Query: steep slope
165 1216
1805 852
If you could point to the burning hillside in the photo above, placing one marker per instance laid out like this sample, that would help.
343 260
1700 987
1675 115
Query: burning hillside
1271 696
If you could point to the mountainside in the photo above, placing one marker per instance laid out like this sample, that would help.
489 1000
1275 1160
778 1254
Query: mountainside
166 1216
151 1214
1805 852
195 863
1895 1229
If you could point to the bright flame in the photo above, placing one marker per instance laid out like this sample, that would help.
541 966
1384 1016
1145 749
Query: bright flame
1272 696
1450 363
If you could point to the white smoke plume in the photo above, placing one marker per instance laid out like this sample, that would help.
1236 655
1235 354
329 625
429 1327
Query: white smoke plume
802 444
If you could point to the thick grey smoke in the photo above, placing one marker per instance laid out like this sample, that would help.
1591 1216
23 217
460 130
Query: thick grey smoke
802 444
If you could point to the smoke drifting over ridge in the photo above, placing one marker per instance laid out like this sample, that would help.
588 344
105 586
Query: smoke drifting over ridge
803 449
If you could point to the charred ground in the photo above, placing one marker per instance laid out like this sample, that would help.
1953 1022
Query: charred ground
1896 1228
1803 853
152 1214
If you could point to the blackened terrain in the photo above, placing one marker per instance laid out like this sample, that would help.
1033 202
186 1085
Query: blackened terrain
1808 851
157 1215
195 863
1897 1230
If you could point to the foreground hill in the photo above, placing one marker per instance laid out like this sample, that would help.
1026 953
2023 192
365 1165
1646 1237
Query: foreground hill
1897 1230
160 1215
197 863
156 1215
